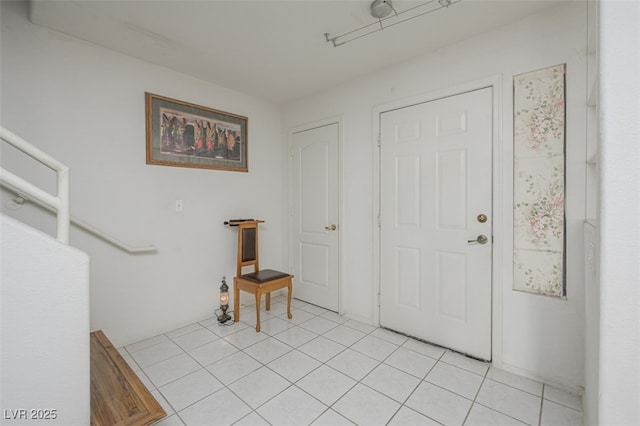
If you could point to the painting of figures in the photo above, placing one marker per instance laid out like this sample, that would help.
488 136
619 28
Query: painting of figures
188 135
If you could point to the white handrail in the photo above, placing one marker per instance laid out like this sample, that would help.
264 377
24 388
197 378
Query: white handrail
112 240
60 202
21 198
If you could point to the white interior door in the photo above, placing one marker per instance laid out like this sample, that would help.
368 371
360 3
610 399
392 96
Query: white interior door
436 220
315 215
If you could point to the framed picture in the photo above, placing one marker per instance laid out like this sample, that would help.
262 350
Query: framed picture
186 135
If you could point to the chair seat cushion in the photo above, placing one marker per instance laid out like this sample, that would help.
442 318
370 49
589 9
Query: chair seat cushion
264 276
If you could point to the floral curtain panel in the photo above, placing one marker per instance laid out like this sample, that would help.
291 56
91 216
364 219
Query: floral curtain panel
539 181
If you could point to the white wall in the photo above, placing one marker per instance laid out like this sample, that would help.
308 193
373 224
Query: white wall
85 106
619 162
541 337
44 328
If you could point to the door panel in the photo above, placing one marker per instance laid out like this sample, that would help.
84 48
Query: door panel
315 210
452 284
408 191
435 178
451 189
408 277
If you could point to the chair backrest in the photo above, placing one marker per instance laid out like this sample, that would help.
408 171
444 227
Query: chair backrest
248 246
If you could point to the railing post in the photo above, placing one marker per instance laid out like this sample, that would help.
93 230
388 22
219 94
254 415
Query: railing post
64 215
60 203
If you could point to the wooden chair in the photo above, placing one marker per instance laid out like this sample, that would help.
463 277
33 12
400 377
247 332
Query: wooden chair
258 282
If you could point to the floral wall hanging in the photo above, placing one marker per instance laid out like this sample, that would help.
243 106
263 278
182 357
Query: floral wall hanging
539 181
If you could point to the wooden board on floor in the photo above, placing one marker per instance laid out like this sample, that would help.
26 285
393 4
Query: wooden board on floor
118 397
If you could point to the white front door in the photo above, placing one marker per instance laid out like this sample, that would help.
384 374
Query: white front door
315 215
436 219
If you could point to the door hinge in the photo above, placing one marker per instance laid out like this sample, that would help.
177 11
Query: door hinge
379 222
379 299
379 140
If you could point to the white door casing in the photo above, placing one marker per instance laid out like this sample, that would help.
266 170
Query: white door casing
315 214
435 180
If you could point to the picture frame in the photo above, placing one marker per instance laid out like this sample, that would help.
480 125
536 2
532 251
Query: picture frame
182 134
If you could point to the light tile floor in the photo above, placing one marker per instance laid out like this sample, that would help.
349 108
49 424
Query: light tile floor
323 369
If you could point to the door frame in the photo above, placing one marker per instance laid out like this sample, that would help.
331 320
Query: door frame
499 182
301 128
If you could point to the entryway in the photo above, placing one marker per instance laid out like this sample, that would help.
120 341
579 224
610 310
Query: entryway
436 221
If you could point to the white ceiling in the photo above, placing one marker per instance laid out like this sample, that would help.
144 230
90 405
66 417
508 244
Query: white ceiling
275 50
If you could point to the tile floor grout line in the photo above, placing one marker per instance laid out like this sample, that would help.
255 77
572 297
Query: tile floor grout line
473 402
146 347
193 403
329 406
401 404
319 415
515 387
544 387
268 400
500 412
181 419
412 392
294 384
161 361
201 367
357 382
562 404
448 390
246 403
171 405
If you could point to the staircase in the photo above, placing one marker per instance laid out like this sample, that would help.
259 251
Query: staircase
49 358
118 397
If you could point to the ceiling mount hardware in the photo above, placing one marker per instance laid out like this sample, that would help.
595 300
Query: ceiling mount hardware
381 11
381 8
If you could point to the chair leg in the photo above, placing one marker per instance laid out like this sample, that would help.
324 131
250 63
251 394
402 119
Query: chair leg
289 288
268 301
258 297
236 302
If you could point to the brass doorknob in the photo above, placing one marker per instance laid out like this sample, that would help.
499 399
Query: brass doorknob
331 227
482 239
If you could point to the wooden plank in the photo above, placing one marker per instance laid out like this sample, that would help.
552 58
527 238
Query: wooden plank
118 397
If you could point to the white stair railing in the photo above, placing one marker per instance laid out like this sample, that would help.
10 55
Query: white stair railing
59 204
